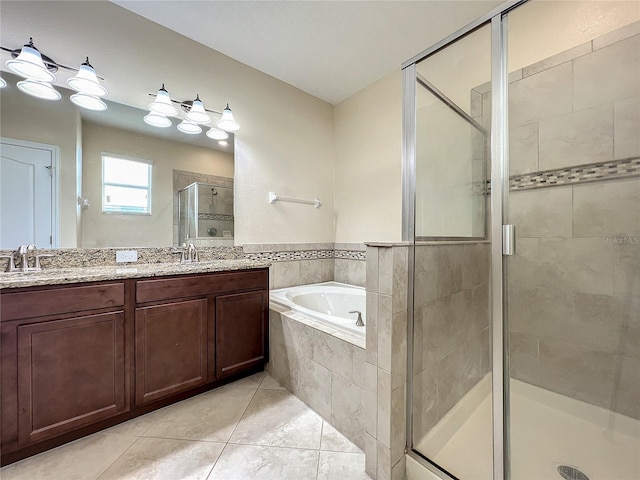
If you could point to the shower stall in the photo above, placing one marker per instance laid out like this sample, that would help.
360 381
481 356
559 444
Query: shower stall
205 213
522 206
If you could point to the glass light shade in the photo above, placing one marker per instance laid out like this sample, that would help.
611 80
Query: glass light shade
197 113
227 122
2 83
86 81
162 104
157 120
217 134
89 102
37 89
29 64
189 127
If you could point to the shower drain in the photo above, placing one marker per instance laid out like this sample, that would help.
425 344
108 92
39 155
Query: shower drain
571 473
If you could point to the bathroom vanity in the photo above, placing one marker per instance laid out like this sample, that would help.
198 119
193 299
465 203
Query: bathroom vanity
85 352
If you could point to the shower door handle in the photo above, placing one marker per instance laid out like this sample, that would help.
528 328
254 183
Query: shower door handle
508 239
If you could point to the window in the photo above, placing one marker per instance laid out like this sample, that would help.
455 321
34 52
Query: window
126 185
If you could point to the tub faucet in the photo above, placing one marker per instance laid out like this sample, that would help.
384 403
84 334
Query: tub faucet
359 322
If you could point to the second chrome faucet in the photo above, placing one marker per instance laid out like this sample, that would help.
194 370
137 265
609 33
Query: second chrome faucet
188 253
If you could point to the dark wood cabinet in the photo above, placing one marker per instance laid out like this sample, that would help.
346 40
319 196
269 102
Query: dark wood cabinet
81 357
241 331
71 373
171 349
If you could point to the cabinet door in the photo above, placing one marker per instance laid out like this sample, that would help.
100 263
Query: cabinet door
241 332
71 373
171 349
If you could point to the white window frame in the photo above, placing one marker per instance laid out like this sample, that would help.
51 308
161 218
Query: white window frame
103 183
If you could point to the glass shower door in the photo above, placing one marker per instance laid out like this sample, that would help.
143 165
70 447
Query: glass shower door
451 365
573 285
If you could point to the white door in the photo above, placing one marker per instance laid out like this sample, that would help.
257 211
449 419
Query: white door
26 194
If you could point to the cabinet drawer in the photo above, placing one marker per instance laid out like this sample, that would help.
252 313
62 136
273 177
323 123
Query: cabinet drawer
54 301
199 285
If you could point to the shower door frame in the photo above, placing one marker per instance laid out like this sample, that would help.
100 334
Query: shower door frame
498 208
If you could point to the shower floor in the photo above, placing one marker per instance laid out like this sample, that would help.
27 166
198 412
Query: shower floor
547 430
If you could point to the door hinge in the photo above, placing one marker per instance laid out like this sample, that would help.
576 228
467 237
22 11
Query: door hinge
50 239
508 239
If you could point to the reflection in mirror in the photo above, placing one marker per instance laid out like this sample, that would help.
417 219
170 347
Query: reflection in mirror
73 143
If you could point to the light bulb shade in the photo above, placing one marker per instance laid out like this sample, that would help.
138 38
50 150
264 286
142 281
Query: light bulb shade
87 82
37 89
157 120
197 113
29 64
217 134
89 102
162 104
2 83
227 122
189 127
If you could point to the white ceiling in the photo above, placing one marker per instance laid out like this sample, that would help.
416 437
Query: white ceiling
329 49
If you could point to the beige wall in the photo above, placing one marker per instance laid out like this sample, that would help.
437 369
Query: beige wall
286 140
368 173
52 123
110 230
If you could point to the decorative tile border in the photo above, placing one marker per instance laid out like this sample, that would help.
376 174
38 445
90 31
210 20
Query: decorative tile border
215 216
293 255
350 254
589 173
612 170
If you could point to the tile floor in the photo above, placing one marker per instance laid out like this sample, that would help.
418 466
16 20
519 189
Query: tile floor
249 429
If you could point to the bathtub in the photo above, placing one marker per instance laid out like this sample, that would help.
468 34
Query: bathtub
328 303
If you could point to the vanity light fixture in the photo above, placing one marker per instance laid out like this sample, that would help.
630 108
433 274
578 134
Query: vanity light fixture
38 71
227 122
29 64
157 120
86 81
196 114
90 102
163 104
38 89
189 127
217 134
2 83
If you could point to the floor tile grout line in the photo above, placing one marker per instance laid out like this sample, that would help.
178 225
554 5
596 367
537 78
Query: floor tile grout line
217 460
118 458
244 412
319 449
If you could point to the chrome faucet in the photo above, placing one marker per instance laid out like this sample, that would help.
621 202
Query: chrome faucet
19 260
188 253
359 322
192 253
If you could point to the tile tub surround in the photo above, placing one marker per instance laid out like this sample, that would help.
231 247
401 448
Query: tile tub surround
323 367
234 432
305 263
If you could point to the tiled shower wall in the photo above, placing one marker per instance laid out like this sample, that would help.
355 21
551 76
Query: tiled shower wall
451 327
304 263
574 284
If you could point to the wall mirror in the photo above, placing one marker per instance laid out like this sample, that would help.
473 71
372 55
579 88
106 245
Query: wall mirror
75 141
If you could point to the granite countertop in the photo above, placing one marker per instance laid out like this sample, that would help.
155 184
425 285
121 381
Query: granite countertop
58 276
